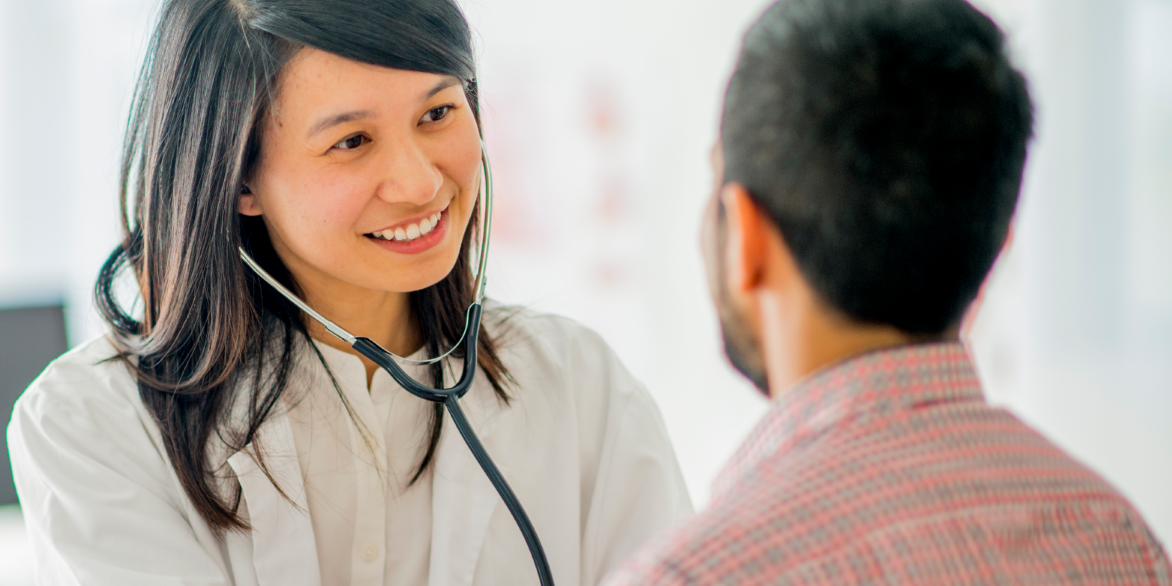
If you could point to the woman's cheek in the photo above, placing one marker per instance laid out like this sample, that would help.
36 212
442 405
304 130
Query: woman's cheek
331 204
469 183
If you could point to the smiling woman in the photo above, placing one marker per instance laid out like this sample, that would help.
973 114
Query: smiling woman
350 153
338 143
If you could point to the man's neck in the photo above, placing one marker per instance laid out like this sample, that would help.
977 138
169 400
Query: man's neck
812 340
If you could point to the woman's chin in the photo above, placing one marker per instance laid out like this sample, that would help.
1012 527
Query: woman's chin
408 279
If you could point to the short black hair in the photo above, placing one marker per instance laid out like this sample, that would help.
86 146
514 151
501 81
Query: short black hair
886 139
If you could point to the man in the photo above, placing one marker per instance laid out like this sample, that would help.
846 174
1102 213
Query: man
870 158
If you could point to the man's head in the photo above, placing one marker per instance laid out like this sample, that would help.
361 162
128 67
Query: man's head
883 142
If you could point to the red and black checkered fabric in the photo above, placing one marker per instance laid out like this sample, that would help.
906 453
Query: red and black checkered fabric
890 468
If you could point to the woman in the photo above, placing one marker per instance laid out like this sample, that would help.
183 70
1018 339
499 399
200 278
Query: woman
217 436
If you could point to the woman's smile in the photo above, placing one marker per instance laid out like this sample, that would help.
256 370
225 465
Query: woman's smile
415 236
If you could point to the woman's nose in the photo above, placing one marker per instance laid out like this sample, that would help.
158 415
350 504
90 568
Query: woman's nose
409 175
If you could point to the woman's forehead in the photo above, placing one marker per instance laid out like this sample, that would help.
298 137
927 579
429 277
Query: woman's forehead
315 80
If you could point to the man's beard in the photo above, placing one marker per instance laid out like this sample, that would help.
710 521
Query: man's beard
741 347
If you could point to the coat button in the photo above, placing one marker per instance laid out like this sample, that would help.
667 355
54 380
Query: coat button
370 553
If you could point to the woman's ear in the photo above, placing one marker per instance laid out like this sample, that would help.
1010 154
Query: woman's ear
248 204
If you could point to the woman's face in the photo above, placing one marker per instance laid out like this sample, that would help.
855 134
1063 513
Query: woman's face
367 175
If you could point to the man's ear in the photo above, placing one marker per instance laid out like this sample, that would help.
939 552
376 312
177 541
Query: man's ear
248 204
745 243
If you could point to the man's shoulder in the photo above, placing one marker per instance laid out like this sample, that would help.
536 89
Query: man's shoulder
736 540
852 507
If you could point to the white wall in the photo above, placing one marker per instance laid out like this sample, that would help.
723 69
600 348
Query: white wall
34 126
599 116
67 70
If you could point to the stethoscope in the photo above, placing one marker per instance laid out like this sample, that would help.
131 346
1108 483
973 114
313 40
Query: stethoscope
450 397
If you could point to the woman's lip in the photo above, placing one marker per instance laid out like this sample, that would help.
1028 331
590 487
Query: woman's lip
416 220
421 244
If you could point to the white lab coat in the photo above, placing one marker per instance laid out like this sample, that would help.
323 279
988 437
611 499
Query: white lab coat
581 443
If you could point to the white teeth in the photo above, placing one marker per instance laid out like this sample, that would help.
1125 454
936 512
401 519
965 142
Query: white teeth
412 231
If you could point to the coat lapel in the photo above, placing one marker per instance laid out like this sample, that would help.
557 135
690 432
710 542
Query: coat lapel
463 499
283 547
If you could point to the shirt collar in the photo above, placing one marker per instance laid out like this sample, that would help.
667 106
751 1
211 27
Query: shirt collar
855 392
351 371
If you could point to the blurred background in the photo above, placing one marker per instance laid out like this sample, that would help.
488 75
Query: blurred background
599 116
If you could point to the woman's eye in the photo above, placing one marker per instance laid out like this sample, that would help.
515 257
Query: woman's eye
436 114
352 142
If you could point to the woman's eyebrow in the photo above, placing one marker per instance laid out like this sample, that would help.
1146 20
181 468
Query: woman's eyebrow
445 83
335 120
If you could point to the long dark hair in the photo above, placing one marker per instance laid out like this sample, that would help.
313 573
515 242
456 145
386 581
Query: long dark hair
209 327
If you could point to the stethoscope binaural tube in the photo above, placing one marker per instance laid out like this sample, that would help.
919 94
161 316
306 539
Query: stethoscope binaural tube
450 397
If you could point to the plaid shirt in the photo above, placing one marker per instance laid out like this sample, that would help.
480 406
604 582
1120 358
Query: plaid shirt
890 468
